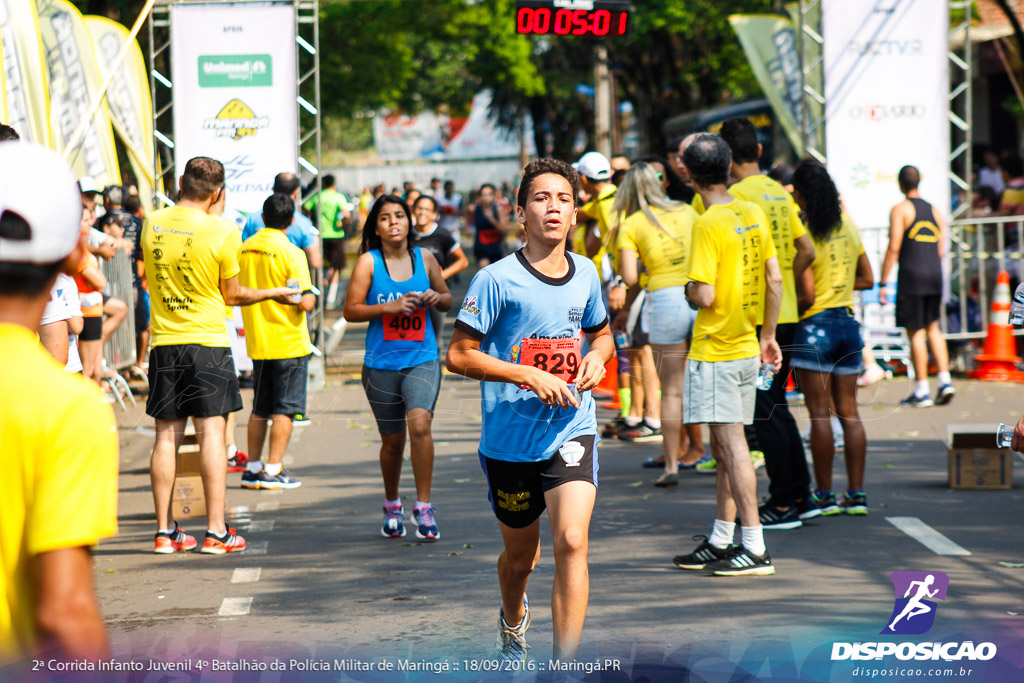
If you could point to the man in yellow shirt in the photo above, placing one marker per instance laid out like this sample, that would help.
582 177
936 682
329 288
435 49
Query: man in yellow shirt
58 439
192 269
733 267
789 486
277 339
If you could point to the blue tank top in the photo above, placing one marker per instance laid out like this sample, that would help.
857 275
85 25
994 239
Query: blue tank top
396 342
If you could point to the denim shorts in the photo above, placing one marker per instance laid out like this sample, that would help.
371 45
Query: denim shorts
829 342
393 393
670 318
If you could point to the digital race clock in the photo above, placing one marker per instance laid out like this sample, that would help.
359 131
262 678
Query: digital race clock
590 18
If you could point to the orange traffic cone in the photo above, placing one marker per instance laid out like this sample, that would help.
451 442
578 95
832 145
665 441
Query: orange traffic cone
998 360
609 386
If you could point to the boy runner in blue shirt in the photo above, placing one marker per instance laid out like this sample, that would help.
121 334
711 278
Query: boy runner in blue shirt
520 333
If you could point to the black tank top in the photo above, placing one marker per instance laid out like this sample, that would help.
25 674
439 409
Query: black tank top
486 233
920 270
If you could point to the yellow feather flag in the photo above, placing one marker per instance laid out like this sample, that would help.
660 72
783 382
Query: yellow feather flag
25 78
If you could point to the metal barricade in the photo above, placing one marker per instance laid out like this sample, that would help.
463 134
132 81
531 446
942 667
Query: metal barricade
119 352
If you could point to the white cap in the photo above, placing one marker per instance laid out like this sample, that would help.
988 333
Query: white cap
594 165
38 185
88 184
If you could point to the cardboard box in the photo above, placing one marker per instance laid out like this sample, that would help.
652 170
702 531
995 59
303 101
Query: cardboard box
974 460
188 499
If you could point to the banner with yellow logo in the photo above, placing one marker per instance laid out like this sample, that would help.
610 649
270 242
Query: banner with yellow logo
25 79
235 93
74 80
128 99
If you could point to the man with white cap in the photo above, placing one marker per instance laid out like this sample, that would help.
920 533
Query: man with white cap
58 451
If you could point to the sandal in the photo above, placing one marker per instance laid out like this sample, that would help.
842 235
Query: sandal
667 480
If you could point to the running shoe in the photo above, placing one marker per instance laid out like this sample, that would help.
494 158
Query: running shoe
794 397
757 459
394 524
611 429
426 526
176 541
915 401
700 557
230 542
263 480
773 518
651 463
301 420
708 466
642 433
742 562
854 503
944 394
826 502
807 508
511 644
237 462
706 458
872 375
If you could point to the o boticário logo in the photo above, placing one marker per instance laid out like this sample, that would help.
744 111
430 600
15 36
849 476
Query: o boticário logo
236 121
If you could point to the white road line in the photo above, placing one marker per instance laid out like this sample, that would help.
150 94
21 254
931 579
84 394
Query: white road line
267 506
927 536
239 510
246 575
256 548
235 607
260 525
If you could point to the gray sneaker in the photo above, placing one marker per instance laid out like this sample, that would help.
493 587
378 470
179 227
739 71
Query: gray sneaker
511 644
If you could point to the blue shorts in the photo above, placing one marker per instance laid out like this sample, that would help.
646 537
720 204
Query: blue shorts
829 342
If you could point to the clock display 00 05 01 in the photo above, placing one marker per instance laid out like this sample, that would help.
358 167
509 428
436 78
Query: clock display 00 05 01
589 18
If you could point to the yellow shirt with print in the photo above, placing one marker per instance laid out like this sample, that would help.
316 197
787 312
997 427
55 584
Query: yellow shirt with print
730 245
599 209
58 451
835 268
272 330
786 227
187 254
664 253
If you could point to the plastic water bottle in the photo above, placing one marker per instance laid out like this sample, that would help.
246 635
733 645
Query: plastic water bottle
1004 435
294 284
765 376
621 339
1017 307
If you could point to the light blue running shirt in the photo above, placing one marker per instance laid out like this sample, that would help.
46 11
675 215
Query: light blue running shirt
508 302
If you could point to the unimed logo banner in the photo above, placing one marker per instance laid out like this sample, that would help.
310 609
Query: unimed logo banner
234 93
887 87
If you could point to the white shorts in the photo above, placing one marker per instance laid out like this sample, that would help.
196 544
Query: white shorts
670 317
721 392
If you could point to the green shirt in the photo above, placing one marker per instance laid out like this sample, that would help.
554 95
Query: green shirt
331 213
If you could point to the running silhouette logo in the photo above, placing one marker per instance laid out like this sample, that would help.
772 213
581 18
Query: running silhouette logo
914 610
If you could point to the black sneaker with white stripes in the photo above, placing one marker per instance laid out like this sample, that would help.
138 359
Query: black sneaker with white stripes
700 557
773 518
742 562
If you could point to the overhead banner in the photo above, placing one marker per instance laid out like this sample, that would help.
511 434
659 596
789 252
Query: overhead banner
74 79
233 68
131 109
25 79
770 43
887 92
402 137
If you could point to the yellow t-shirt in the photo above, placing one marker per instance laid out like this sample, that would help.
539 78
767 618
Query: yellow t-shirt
187 254
58 451
786 228
599 209
698 204
273 330
665 256
835 268
730 245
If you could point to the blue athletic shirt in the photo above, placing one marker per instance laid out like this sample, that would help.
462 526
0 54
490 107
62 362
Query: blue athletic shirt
301 233
508 302
396 342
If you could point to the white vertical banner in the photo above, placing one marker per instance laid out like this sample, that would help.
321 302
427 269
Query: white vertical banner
233 68
887 99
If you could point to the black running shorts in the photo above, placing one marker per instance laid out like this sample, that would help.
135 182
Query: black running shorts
516 489
917 311
190 380
279 386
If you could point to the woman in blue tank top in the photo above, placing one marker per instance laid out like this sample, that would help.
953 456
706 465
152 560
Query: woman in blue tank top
392 286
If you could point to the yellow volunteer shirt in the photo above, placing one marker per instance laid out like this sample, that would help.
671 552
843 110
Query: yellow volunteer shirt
730 245
835 268
599 209
58 451
786 227
698 204
664 253
273 330
187 254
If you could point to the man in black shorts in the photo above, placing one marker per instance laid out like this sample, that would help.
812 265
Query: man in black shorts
917 241
192 270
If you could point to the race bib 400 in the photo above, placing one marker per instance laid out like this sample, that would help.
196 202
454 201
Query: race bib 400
405 327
